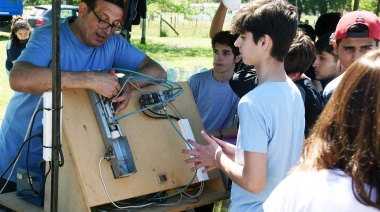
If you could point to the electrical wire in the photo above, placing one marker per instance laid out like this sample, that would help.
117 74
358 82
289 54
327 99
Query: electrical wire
158 115
108 196
174 90
175 110
179 191
27 156
14 162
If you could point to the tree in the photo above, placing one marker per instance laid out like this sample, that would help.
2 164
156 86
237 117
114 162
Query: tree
369 5
177 6
320 7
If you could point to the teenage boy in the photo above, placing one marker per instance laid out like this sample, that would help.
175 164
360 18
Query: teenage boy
299 58
244 79
210 86
326 65
357 33
271 116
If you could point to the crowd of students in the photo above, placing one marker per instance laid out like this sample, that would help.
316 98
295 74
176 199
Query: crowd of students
332 116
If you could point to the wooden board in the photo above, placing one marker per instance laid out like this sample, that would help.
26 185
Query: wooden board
155 145
13 202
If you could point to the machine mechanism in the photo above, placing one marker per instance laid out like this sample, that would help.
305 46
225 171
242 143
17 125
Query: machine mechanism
117 148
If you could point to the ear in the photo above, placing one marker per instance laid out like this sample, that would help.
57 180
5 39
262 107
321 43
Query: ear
82 9
294 76
265 41
341 67
238 58
333 42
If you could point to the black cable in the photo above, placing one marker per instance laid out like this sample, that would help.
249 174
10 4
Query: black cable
159 115
18 153
62 161
40 193
27 154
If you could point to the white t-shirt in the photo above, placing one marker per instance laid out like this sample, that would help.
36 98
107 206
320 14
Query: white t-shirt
309 191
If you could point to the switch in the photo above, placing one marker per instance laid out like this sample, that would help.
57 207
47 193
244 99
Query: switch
161 178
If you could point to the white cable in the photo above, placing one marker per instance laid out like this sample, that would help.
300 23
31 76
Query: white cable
198 194
176 203
109 198
26 136
136 86
120 90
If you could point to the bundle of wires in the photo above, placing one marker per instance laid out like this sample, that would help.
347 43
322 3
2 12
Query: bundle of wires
150 101
170 90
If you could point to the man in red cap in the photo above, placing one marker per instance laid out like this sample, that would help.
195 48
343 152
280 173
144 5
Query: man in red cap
357 33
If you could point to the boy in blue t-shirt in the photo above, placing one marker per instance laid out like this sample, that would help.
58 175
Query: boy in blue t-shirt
216 101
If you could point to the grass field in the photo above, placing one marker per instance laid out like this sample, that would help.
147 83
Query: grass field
5 91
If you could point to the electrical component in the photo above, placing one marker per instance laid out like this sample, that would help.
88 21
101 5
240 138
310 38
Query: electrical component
30 186
155 97
47 121
161 178
118 151
187 133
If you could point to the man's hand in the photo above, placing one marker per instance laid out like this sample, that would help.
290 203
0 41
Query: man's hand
121 101
105 84
108 85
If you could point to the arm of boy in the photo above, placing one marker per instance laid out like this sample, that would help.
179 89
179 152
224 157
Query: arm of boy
219 154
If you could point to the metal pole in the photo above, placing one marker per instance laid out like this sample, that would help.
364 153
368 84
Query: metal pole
56 94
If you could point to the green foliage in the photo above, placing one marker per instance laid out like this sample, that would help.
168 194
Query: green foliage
176 6
163 33
40 2
369 5
309 7
320 7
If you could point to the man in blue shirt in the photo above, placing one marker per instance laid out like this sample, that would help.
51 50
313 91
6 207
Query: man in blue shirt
89 43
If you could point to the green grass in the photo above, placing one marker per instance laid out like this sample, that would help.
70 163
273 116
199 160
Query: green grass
5 91
178 52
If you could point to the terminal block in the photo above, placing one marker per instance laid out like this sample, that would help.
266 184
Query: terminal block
116 144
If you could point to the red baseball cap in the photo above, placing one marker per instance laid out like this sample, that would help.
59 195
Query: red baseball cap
358 17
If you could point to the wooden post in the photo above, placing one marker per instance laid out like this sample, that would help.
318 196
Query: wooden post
356 5
143 31
160 25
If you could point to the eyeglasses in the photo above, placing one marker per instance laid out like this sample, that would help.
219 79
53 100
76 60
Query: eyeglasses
105 25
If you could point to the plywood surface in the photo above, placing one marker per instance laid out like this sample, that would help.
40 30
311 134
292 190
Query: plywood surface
155 146
13 202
